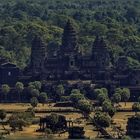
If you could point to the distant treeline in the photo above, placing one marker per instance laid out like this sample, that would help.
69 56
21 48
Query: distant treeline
117 20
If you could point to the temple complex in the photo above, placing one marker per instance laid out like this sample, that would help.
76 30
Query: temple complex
69 64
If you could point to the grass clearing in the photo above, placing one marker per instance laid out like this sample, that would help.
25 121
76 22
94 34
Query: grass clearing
29 133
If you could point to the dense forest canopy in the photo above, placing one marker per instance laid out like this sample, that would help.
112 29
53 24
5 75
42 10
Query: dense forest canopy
117 20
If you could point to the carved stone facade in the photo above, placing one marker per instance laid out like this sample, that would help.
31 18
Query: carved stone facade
38 54
70 64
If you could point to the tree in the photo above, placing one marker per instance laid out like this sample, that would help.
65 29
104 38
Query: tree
111 111
2 116
31 112
118 90
43 97
16 122
102 120
97 92
125 95
34 102
30 88
106 105
75 91
56 122
60 91
136 107
85 106
5 90
101 98
105 91
35 93
75 97
19 88
37 84
65 98
116 97
101 94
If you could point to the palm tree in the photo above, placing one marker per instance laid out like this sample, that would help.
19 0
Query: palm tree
19 88
5 90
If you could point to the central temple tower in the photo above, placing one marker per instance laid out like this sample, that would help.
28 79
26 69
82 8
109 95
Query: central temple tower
69 48
69 40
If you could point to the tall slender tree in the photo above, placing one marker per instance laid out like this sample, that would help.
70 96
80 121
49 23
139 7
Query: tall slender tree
125 95
19 88
5 90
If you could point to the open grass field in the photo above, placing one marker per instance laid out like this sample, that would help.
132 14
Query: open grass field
24 106
120 119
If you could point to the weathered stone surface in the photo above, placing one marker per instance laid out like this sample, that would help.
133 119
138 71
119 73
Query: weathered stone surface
70 64
38 54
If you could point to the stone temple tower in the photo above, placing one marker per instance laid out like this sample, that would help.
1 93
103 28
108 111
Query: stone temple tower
69 39
69 48
100 53
38 54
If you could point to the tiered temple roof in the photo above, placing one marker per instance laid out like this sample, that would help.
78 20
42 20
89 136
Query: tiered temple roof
69 39
38 53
